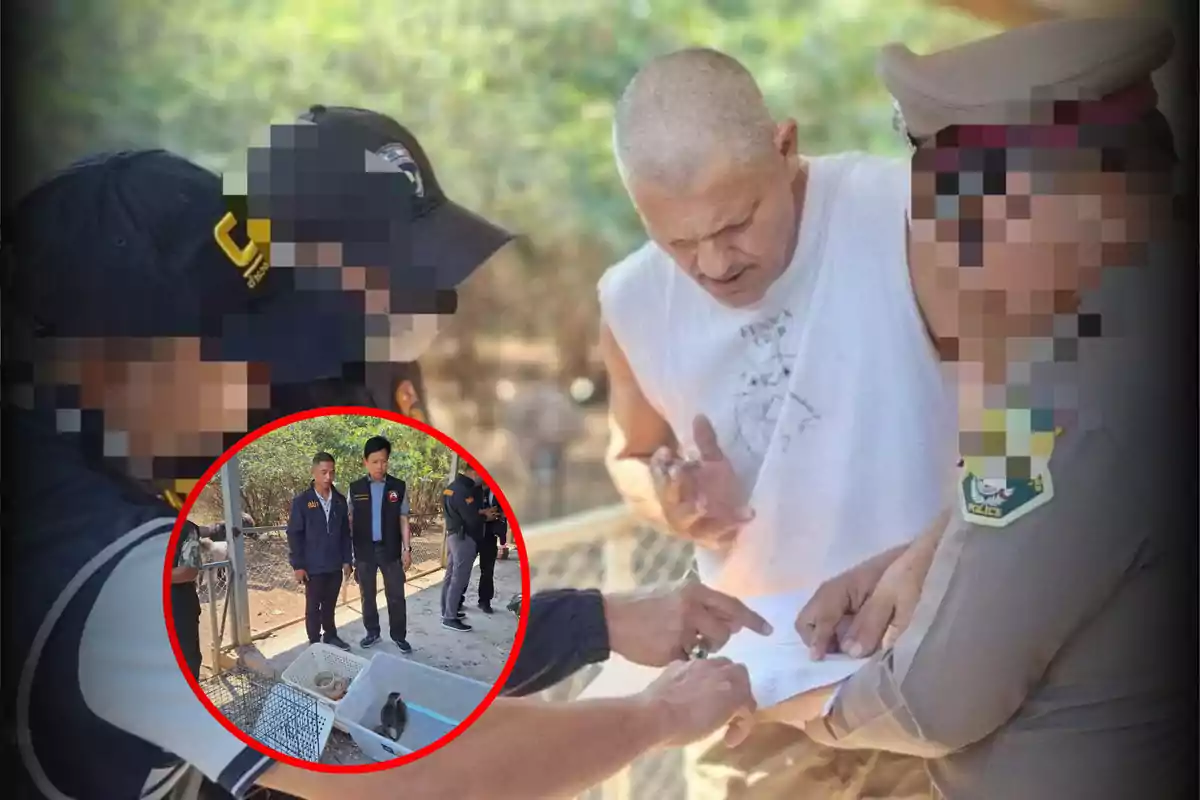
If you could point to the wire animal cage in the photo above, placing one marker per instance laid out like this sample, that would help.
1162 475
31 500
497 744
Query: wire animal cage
271 712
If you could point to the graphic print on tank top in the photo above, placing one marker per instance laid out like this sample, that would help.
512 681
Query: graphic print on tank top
764 391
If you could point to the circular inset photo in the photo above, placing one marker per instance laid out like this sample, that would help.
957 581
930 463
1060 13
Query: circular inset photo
344 589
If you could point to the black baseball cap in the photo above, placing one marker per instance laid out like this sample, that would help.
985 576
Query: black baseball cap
146 244
446 242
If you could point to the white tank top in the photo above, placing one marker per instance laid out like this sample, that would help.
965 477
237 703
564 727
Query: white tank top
826 396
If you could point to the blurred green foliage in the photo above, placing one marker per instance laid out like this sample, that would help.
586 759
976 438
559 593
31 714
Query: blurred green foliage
512 98
277 466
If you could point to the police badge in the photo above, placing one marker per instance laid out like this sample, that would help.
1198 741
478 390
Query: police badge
393 497
398 157
997 502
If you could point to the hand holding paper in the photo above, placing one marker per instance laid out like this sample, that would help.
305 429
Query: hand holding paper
780 665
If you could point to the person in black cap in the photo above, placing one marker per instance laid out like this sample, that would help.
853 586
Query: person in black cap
462 505
152 320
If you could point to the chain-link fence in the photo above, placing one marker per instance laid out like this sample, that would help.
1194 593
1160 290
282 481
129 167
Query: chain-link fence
608 548
605 548
276 598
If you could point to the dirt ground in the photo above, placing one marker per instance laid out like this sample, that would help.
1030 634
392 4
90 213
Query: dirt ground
479 654
275 597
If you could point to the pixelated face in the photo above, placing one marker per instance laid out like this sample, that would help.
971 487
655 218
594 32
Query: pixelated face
377 464
159 399
733 230
355 239
323 472
1014 236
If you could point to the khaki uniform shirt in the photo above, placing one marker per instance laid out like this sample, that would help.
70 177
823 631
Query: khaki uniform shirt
1051 658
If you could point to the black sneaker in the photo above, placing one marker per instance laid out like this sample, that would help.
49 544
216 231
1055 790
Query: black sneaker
403 644
456 625
369 639
486 608
334 641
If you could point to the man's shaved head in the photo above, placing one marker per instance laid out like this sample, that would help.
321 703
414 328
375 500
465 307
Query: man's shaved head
717 182
683 109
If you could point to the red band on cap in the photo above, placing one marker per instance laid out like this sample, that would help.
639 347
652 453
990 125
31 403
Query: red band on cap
1124 107
1119 108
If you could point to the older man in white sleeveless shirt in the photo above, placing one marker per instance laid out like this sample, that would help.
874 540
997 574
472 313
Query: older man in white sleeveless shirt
770 329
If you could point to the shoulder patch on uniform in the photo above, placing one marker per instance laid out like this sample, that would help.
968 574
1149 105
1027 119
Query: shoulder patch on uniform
996 503
448 492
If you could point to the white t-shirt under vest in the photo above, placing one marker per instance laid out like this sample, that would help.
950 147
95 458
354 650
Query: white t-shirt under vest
826 396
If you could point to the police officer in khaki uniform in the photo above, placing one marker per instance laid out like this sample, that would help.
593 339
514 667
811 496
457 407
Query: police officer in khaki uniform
1039 660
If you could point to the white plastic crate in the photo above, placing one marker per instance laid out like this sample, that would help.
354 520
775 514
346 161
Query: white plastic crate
319 658
437 702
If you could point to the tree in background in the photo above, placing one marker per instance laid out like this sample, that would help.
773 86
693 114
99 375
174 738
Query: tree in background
512 98
275 467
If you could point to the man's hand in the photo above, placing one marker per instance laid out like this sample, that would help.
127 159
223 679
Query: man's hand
889 609
799 709
828 613
406 559
702 499
657 627
301 576
852 612
693 699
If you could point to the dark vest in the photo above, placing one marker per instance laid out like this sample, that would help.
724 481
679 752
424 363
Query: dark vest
361 512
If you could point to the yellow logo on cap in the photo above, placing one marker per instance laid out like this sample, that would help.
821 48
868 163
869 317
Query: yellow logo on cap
252 263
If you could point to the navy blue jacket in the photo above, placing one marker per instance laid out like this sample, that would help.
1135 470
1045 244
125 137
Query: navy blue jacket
313 546
462 502
565 632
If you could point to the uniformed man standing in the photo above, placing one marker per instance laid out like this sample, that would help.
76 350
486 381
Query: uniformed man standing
495 533
318 533
185 604
1039 660
382 542
466 517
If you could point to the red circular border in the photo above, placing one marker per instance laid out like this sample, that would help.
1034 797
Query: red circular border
514 528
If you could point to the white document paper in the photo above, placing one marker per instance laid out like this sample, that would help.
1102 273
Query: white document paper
779 665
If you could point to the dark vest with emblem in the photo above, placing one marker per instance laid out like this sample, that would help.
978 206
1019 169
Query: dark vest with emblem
361 515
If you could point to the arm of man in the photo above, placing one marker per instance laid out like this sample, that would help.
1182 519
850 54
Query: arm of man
523 748
347 538
637 429
996 607
405 533
517 750
451 509
127 673
188 560
295 533
565 631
